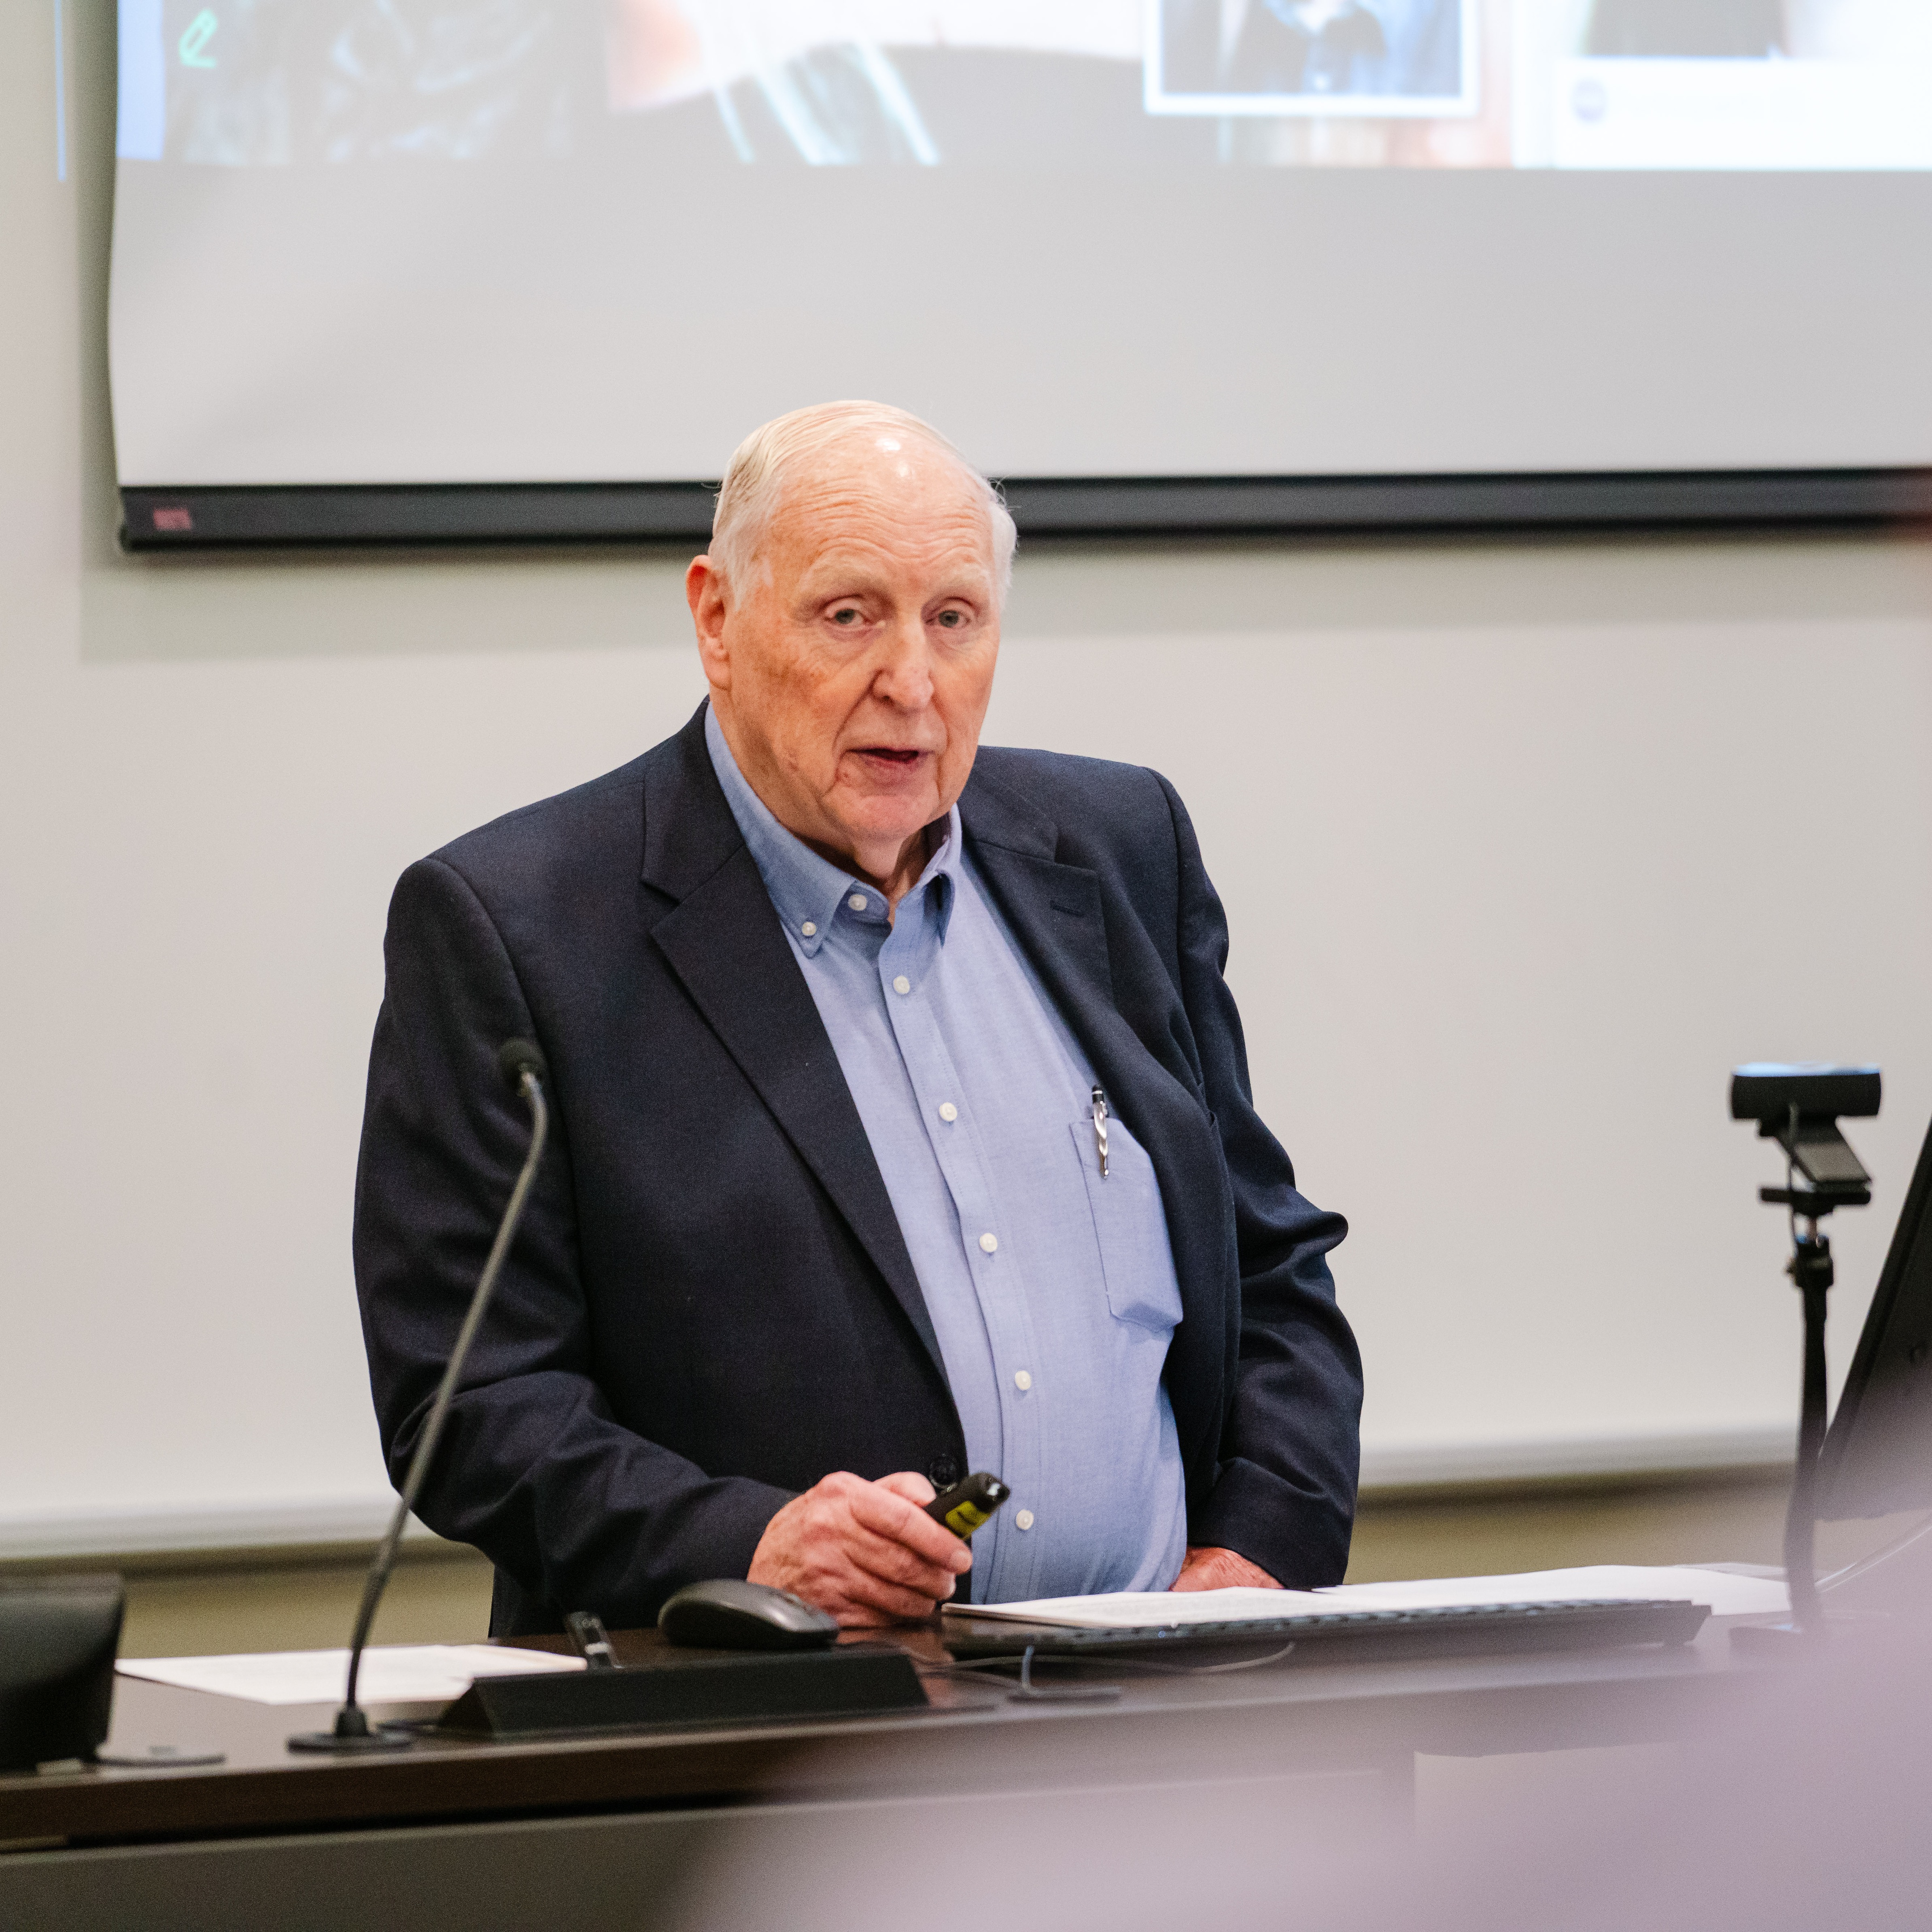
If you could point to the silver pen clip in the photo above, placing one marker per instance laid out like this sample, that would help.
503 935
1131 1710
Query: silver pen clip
1100 1128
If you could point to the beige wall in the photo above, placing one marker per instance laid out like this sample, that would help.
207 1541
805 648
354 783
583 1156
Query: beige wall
1524 845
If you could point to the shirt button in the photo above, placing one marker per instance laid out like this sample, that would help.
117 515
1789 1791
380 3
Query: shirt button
857 902
947 1111
988 1243
901 985
1024 1520
1022 1381
810 931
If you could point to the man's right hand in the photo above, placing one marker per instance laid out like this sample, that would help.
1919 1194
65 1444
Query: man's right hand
866 1552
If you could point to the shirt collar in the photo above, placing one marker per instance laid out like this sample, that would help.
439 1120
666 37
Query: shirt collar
809 892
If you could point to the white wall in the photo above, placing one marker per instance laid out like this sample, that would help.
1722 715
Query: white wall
1523 847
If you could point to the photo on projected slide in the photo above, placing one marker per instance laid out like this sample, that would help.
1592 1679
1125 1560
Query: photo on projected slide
1118 85
1379 59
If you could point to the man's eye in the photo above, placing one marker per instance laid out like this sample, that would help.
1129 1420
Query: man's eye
952 619
848 617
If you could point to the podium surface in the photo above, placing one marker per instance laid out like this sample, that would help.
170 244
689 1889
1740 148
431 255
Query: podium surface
300 1824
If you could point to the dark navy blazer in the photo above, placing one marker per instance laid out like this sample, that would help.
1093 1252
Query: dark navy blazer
709 1306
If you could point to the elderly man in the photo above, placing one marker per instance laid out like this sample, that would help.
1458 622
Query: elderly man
902 1126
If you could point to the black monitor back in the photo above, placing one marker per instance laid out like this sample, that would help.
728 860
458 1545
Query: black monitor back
58 1638
1877 1457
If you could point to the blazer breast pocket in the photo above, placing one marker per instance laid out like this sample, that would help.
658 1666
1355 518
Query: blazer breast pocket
1129 1227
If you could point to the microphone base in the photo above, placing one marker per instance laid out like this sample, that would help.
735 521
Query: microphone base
352 1735
327 1740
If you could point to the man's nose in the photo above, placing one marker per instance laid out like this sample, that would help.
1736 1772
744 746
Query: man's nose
904 678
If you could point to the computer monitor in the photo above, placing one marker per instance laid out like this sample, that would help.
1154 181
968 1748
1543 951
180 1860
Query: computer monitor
1877 1457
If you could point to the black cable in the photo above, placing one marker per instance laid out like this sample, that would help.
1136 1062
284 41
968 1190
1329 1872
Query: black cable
1147 1667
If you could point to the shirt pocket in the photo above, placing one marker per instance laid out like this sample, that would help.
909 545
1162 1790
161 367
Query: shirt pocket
1129 1226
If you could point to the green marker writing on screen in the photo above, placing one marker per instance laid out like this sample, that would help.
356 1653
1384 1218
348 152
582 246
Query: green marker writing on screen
193 42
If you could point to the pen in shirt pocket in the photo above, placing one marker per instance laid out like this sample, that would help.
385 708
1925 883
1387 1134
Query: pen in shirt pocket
1100 1128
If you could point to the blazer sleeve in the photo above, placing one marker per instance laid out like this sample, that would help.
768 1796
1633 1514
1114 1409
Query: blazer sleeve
532 1469
1285 1495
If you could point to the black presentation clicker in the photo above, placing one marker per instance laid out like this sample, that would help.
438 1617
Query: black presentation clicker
967 1505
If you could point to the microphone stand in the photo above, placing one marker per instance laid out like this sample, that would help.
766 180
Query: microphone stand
522 1066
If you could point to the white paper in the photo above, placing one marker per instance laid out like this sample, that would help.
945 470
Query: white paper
403 1673
1134 1609
1725 1595
1722 1592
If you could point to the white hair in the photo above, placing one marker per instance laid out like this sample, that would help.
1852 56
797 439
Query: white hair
768 461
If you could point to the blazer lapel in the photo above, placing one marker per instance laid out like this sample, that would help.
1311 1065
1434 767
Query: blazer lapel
1055 912
725 943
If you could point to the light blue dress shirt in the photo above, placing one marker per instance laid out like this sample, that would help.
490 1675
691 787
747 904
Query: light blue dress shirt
1051 1288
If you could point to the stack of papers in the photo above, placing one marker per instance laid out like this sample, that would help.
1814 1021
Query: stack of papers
403 1673
1726 1594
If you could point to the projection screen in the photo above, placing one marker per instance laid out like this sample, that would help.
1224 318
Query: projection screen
443 242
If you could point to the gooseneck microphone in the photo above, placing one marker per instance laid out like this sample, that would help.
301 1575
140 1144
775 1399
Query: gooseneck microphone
522 1067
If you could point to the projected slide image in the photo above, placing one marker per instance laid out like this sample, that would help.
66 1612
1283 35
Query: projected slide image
1381 58
1129 86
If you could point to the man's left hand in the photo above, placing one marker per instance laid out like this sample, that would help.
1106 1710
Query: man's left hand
1207 1568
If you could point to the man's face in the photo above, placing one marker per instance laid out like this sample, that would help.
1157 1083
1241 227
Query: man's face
852 679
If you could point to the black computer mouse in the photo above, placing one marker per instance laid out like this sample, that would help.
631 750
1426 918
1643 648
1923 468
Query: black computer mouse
731 1614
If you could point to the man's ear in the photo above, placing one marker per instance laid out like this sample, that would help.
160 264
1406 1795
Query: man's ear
704 591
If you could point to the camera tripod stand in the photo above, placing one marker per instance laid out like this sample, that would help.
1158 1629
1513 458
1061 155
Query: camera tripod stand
1837 1180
